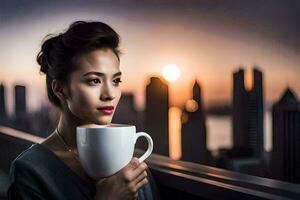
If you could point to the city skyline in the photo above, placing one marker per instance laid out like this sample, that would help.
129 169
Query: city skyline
219 120
189 142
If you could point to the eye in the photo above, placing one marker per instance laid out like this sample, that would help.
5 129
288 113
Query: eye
117 81
94 81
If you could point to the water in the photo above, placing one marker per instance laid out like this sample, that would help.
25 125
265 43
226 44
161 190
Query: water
219 132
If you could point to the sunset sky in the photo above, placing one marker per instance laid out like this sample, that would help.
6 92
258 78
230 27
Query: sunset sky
208 40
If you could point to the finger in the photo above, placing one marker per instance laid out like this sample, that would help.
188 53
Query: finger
128 171
141 168
133 164
142 183
140 177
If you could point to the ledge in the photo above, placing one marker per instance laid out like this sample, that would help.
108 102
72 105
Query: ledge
177 179
213 183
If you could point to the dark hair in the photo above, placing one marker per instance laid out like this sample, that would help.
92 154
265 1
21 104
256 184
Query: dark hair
57 53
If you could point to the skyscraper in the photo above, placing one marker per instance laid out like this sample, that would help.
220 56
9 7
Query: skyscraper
20 100
193 130
3 114
156 115
285 163
21 119
248 114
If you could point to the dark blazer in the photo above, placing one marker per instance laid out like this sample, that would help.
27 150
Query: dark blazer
37 173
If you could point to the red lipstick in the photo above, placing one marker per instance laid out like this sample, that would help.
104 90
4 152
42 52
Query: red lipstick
108 110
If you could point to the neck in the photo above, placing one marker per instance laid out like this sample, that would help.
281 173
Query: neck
67 131
67 128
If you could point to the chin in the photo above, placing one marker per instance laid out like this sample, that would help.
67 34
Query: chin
103 120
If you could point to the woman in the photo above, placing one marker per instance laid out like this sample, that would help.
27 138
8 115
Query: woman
82 77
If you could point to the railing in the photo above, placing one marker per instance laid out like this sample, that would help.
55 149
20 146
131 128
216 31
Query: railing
176 179
185 180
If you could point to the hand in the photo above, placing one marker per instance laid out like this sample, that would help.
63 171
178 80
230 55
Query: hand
124 184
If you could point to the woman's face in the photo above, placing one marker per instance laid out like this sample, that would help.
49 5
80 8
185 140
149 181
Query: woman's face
95 85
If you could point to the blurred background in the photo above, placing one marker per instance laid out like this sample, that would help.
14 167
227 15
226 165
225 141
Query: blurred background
213 82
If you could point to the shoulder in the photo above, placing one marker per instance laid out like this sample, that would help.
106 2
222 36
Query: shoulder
27 162
29 156
25 178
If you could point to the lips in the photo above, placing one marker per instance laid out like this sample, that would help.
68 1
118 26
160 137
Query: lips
108 110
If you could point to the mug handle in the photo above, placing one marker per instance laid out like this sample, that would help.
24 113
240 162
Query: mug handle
150 145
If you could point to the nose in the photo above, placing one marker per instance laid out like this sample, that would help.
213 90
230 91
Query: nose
107 93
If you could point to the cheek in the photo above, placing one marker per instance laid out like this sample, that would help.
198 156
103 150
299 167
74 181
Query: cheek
83 100
119 96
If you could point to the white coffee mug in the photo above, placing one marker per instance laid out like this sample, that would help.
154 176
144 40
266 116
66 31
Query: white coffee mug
106 149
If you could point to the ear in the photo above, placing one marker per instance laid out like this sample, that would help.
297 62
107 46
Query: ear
58 89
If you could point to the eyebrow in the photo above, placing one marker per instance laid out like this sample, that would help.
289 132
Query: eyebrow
102 74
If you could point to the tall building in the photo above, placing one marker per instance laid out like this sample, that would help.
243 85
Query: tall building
3 114
248 114
193 130
285 162
20 100
21 119
156 115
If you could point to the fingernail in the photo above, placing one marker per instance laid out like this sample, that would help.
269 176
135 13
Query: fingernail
135 161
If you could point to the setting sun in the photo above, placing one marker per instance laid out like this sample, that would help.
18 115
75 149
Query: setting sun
171 73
